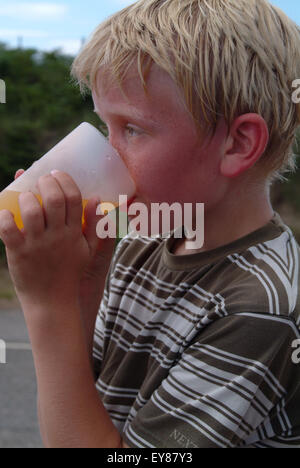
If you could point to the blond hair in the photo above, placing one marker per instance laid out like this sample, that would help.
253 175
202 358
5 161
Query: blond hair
229 57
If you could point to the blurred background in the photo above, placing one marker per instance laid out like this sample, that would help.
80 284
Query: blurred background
38 42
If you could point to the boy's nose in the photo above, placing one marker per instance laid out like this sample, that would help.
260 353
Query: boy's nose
113 140
115 143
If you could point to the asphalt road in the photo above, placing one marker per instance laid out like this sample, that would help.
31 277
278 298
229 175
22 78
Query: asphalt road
18 413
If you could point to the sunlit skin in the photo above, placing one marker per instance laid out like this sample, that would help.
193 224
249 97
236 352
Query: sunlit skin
170 162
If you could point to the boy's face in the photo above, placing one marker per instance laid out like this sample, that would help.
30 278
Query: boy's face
157 139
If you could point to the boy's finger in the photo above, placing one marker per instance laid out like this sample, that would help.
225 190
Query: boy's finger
19 173
72 196
32 214
9 232
54 203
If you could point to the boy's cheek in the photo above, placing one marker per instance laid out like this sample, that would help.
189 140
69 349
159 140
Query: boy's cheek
153 174
160 185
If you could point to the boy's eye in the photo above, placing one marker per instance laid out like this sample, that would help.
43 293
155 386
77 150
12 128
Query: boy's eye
132 131
129 129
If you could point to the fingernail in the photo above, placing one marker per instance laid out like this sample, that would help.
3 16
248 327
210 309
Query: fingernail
55 171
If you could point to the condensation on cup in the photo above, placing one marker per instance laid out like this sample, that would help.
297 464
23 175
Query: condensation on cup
86 155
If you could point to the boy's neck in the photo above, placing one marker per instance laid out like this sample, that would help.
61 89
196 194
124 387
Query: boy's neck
232 220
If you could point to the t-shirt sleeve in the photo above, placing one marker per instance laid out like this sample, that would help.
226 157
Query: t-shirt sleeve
228 385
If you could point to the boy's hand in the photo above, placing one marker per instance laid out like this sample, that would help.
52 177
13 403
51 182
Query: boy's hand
50 257
92 281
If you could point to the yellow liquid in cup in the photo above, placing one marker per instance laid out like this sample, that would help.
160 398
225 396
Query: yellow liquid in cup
9 200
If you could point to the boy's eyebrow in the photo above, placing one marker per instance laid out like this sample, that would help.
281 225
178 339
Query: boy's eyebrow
135 115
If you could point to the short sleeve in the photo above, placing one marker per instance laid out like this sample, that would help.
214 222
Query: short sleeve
228 386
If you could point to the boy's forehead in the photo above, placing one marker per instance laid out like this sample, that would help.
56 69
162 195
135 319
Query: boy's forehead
161 90
108 87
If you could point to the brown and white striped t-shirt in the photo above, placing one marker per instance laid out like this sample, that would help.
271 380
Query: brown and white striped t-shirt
199 350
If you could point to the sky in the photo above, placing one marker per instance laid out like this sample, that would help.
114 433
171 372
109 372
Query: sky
64 24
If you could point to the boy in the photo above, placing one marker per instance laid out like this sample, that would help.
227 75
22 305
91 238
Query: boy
191 349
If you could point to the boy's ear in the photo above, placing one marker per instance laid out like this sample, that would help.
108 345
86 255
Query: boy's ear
246 142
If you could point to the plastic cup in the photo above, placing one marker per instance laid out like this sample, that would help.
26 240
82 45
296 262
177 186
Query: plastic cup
86 155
